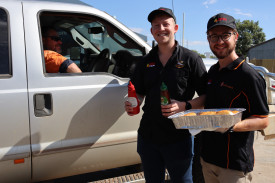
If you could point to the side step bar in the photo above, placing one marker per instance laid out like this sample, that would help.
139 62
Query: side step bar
136 178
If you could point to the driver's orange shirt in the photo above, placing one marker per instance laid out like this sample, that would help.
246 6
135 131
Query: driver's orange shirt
53 61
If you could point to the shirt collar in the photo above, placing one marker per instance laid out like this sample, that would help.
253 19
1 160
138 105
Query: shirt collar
154 51
232 66
236 64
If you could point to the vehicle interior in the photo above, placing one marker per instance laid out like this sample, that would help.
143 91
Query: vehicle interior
94 44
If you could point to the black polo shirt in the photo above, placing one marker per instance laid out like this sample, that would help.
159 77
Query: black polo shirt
183 74
236 86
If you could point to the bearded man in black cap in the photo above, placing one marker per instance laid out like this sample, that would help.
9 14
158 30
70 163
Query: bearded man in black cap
227 153
160 144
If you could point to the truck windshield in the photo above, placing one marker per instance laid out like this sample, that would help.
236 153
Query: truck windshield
99 36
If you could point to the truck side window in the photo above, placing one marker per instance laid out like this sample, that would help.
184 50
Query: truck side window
92 43
4 44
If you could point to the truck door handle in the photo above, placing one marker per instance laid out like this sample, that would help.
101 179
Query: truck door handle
43 104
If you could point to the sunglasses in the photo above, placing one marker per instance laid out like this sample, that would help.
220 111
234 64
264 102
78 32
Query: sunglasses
55 38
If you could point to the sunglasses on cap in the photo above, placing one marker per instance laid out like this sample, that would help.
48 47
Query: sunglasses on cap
55 38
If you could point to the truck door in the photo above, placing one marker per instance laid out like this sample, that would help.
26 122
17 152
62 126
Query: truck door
15 161
78 122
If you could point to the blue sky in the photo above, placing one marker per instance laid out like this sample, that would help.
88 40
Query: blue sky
133 14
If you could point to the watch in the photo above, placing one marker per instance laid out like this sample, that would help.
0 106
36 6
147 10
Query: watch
230 129
187 105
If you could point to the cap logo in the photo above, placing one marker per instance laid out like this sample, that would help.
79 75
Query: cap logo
220 19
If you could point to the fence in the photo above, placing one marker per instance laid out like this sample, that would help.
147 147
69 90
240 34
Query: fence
267 63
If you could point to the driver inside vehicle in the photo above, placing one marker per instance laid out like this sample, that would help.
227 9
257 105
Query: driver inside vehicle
54 61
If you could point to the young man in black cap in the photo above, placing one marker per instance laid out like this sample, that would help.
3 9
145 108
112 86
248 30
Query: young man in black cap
227 154
160 144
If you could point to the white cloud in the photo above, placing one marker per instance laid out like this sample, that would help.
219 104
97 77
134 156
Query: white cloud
137 30
208 2
196 43
200 46
239 12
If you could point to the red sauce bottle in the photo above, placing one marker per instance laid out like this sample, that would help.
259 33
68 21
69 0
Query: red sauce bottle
132 98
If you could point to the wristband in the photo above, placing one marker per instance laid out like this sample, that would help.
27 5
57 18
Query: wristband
187 105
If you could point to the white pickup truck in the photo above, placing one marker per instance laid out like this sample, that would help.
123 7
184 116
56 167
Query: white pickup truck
62 124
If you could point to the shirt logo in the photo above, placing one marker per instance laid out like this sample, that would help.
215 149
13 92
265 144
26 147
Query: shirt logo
151 64
180 64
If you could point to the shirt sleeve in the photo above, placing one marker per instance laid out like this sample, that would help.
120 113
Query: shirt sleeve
199 76
64 66
53 61
137 78
256 93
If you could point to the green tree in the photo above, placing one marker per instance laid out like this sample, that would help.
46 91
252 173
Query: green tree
201 55
250 34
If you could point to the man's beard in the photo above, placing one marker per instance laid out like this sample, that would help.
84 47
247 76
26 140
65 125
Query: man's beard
223 55
58 50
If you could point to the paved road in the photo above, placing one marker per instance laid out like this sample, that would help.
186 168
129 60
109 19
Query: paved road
264 168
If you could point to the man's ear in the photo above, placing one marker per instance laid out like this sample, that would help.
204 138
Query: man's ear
208 40
176 28
237 36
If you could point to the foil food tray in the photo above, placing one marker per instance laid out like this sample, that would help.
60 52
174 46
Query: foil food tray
206 121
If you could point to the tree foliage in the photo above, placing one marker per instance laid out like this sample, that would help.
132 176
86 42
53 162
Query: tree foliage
250 34
201 55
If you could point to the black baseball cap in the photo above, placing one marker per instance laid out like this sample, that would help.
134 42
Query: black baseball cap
161 10
221 19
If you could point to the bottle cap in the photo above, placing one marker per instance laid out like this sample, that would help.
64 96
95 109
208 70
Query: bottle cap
131 87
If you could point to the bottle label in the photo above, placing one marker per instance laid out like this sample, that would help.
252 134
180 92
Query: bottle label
133 101
164 100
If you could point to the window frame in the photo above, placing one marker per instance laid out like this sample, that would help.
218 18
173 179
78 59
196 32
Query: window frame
90 16
10 70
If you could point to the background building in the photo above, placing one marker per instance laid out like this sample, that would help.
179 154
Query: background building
263 54
265 50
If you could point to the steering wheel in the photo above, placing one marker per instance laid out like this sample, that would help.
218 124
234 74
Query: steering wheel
101 62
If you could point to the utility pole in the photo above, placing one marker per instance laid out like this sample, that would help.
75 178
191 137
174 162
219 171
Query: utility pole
183 31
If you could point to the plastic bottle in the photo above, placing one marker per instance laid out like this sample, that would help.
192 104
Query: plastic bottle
132 98
164 94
